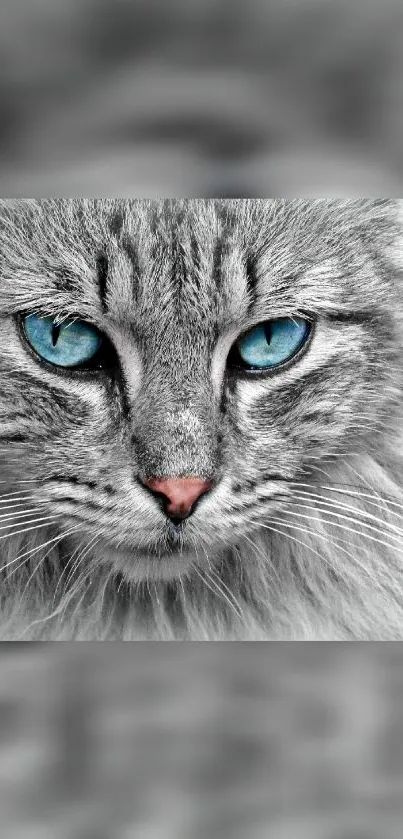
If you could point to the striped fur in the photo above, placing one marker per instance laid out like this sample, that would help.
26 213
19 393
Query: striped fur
302 536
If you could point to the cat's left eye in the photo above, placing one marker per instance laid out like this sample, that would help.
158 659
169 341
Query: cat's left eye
271 344
70 344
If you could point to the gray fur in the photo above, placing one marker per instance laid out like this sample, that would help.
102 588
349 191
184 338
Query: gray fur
302 536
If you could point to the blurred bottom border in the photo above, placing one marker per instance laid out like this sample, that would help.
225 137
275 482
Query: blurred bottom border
196 740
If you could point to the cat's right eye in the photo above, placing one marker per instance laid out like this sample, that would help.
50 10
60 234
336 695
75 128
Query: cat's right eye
71 344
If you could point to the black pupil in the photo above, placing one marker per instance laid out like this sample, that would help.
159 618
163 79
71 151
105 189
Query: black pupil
268 331
55 333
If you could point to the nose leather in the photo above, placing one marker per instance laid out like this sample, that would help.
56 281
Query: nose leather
179 494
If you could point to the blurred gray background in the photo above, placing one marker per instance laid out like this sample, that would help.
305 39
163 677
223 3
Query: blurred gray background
201 741
201 98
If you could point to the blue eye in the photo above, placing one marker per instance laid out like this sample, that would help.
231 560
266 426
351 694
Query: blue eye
72 343
272 343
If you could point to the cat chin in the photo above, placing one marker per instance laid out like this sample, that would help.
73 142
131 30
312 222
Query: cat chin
137 565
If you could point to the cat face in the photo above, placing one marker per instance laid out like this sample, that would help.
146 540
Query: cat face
221 349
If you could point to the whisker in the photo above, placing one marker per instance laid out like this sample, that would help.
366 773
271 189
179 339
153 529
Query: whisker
68 563
215 589
266 559
380 497
42 560
194 543
353 492
29 529
341 503
345 528
30 521
25 554
81 557
305 544
222 584
61 608
10 497
323 502
39 621
357 563
207 557
80 580
220 581
19 513
24 481
361 478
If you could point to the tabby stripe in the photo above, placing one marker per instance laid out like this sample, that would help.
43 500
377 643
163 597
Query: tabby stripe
77 482
91 505
58 397
115 223
288 395
133 257
102 274
217 263
354 317
251 282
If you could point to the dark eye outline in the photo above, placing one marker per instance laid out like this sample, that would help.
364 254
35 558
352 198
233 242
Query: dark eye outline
104 359
236 364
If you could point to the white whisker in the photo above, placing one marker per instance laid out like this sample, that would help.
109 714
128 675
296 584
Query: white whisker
25 554
10 497
22 481
266 559
30 521
61 608
42 560
220 581
215 589
346 529
19 513
68 564
300 542
81 557
346 490
330 505
336 543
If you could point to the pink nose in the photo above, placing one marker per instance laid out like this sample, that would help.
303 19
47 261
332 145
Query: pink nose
180 494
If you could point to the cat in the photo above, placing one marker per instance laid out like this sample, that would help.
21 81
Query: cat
201 419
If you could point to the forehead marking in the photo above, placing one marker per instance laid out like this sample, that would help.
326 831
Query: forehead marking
102 276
